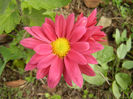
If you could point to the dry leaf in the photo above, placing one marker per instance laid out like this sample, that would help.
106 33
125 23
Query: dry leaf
15 83
49 89
105 42
92 3
3 38
105 22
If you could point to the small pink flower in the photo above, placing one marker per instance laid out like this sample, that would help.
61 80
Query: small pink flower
64 47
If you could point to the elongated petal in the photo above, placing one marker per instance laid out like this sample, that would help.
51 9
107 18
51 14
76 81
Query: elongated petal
92 18
86 69
30 42
30 67
49 31
60 25
50 22
69 24
77 57
36 58
91 59
41 73
55 72
81 22
94 46
67 77
38 31
80 16
43 49
80 46
36 34
91 31
77 33
46 61
74 72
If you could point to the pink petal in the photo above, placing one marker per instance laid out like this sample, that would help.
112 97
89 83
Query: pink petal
92 18
94 46
55 72
30 42
74 72
86 69
60 25
46 61
91 31
36 58
69 24
38 31
67 77
50 22
77 33
36 34
76 57
91 59
80 46
81 22
30 67
43 49
41 73
49 31
80 16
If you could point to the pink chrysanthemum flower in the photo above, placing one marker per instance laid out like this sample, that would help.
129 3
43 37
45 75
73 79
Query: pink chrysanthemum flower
64 47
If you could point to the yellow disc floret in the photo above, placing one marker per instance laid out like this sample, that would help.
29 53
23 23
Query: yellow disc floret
60 47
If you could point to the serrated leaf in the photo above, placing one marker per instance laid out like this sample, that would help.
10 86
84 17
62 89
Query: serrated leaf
47 4
124 35
129 44
121 51
9 19
104 56
123 79
117 37
3 5
127 65
98 79
115 90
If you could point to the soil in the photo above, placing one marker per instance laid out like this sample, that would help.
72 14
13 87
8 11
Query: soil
37 89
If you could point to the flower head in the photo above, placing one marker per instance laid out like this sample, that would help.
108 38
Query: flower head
64 47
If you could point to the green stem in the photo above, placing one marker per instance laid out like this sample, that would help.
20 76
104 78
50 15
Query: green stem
117 64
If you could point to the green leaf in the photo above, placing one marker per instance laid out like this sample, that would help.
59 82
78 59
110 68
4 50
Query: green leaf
2 66
3 5
115 90
73 86
123 79
104 56
127 65
11 53
47 4
121 51
98 79
56 96
9 19
129 44
131 95
117 37
124 35
35 18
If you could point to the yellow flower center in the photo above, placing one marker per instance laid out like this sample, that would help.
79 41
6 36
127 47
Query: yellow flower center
60 47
